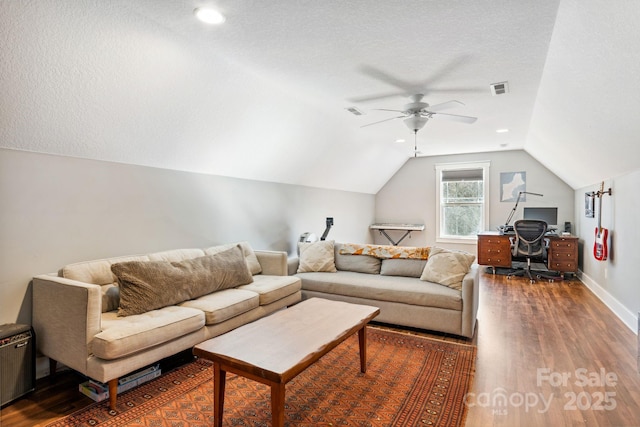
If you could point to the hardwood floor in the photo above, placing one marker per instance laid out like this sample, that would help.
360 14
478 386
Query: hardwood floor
549 354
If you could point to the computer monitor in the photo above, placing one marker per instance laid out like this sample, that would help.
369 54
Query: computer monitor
548 215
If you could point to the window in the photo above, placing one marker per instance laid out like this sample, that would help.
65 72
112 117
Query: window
462 196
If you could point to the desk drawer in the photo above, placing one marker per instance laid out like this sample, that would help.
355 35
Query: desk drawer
563 266
495 260
563 245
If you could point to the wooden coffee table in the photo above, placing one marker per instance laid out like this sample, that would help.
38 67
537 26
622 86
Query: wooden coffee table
275 349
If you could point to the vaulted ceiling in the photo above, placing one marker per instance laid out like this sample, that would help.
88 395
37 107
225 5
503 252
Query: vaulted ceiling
265 95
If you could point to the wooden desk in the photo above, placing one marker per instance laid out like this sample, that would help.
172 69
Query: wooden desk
494 249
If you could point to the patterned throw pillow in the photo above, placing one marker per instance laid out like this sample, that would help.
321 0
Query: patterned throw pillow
447 267
317 256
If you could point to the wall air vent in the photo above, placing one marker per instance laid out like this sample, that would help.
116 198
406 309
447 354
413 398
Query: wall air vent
354 111
499 88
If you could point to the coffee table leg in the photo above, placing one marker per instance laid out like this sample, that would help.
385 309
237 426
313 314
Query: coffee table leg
362 340
277 404
219 379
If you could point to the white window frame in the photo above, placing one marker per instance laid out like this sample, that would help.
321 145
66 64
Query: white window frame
441 167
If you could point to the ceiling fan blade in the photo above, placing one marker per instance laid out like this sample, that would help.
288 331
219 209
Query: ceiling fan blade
455 117
386 109
387 78
381 121
445 70
445 105
375 97
468 89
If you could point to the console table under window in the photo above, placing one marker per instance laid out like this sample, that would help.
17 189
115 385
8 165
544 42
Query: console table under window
407 228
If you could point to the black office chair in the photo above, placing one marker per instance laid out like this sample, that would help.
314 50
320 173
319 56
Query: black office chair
529 243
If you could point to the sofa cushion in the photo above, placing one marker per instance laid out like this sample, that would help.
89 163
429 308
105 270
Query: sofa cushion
99 272
317 256
176 255
122 336
359 263
402 267
247 250
406 290
223 305
150 285
447 267
273 288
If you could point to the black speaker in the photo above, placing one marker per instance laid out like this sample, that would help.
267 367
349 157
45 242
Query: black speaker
17 361
567 227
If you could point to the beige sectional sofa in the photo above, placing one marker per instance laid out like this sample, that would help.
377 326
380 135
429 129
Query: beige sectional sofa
81 319
395 286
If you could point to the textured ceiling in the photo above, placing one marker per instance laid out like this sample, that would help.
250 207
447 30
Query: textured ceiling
264 95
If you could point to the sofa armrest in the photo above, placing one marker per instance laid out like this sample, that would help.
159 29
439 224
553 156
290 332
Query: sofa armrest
273 263
66 317
470 297
292 265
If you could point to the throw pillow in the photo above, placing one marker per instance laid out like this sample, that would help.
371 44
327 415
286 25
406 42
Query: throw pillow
317 256
447 267
403 267
358 263
150 285
249 254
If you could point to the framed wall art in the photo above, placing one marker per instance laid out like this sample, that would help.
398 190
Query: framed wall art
588 204
512 183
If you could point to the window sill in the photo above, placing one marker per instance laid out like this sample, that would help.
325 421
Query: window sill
459 240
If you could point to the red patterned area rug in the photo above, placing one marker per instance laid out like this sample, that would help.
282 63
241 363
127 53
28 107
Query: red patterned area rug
410 381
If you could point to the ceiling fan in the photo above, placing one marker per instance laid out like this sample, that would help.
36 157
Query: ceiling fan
416 114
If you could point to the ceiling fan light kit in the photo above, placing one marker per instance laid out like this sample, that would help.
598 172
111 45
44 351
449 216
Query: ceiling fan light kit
416 122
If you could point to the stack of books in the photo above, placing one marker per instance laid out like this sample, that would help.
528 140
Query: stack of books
100 391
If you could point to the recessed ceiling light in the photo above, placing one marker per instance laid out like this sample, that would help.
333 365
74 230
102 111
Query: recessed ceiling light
209 15
399 141
502 130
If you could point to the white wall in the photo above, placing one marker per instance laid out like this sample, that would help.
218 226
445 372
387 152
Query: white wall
615 280
57 210
409 195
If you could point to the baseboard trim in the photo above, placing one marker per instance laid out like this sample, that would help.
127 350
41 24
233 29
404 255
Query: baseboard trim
623 313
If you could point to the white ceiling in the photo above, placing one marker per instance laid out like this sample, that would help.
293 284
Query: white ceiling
264 95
